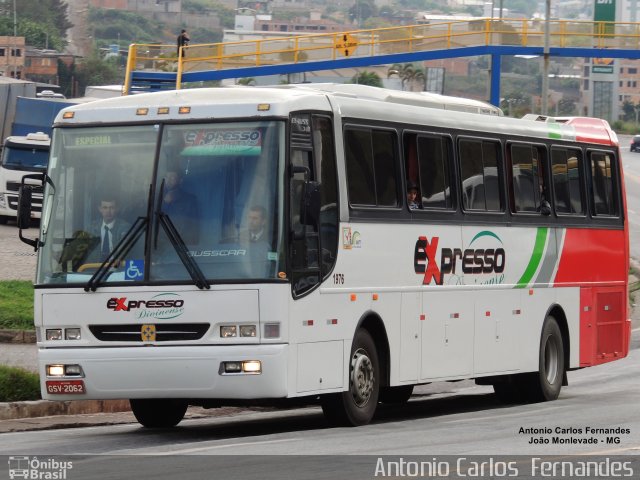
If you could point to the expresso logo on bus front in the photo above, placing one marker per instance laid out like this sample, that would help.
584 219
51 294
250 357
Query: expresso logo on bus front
163 306
455 261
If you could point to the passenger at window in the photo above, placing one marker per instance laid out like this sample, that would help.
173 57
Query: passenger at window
412 196
180 206
256 226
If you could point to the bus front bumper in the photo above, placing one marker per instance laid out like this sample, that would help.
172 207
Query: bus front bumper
167 372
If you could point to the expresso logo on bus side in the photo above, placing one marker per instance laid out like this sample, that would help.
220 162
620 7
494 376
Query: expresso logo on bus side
473 261
162 306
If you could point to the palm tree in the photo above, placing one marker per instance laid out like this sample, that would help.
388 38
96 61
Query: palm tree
408 74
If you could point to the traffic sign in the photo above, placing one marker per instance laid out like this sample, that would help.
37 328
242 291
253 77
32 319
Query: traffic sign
346 44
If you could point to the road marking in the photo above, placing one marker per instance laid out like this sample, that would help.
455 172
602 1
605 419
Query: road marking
228 445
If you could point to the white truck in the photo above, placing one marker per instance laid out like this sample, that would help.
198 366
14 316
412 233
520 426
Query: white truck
21 155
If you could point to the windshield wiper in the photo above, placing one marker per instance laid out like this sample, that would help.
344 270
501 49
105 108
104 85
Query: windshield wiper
180 247
119 251
177 243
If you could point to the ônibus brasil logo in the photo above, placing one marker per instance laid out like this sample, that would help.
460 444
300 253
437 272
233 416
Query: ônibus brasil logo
163 306
471 261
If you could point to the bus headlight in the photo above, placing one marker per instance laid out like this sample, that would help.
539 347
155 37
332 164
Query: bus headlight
54 334
55 370
247 330
72 334
228 331
251 367
71 370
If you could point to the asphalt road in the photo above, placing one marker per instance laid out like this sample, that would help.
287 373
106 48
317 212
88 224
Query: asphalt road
441 419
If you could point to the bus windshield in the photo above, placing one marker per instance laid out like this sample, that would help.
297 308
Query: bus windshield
211 192
25 158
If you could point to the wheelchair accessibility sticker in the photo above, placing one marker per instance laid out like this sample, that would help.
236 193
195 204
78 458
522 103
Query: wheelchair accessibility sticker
134 270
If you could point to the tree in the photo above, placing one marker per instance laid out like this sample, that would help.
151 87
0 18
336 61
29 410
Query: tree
409 74
36 34
95 70
362 10
367 78
56 17
628 111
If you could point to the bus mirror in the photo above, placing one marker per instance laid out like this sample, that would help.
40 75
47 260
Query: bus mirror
24 206
310 207
25 201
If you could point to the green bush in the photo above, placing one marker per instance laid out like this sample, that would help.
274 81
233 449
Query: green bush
16 305
18 385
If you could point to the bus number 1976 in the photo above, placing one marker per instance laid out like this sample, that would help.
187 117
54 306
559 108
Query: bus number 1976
338 278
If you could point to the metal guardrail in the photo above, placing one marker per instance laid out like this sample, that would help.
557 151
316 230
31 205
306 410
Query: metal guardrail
380 41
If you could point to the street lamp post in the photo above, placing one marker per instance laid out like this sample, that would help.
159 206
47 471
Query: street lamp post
545 69
15 41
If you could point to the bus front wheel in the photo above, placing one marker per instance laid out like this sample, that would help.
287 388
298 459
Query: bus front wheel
158 413
357 405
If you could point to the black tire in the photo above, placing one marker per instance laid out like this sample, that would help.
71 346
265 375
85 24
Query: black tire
3 220
158 413
398 395
510 390
358 404
545 384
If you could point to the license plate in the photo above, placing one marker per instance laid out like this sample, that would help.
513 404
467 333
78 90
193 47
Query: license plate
65 387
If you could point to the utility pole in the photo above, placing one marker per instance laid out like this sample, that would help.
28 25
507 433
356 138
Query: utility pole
545 69
15 41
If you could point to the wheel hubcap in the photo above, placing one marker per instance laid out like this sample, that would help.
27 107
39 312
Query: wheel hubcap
362 378
551 355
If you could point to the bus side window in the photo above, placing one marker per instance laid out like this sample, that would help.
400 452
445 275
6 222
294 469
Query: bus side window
434 156
370 157
527 175
603 188
479 161
566 171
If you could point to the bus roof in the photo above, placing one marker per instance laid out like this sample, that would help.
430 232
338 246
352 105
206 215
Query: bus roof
31 139
352 101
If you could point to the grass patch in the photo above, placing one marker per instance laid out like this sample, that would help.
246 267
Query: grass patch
16 305
17 385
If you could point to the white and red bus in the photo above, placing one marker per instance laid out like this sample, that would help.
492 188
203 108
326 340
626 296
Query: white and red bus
511 270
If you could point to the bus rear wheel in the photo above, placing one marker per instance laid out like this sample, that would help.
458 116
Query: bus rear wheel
158 413
545 384
357 405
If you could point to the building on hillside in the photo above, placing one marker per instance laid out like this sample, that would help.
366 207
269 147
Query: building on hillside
166 11
11 56
313 24
167 6
42 65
